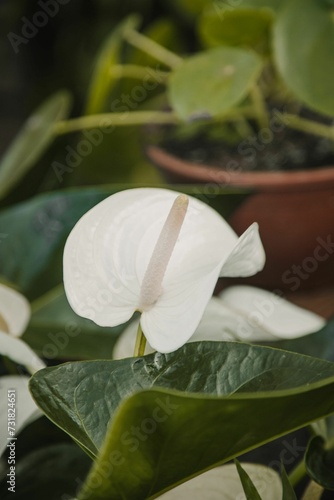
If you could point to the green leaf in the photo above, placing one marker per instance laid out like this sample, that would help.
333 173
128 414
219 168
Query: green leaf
212 82
319 460
304 52
56 332
288 491
54 473
182 412
241 26
33 139
103 80
36 231
247 484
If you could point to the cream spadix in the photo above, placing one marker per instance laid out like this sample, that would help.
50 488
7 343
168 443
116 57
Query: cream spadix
152 282
134 252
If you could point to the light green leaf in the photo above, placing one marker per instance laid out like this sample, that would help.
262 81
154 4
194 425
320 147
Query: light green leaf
102 80
182 412
212 82
33 139
304 52
241 26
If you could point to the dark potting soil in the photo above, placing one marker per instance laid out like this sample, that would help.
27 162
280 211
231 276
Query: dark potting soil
271 149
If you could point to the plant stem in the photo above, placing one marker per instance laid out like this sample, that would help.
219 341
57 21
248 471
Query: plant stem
138 72
106 120
140 342
152 48
308 126
260 107
243 128
297 473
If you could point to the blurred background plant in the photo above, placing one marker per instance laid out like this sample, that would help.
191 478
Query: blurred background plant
112 61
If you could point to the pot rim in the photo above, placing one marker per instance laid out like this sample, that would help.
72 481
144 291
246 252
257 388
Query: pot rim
301 180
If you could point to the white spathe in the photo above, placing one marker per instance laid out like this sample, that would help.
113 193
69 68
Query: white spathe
223 483
15 310
17 350
109 250
14 316
240 313
25 409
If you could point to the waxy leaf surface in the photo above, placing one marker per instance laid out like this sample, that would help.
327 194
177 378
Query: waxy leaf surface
132 415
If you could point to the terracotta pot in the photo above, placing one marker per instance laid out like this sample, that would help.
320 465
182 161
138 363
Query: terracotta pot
295 212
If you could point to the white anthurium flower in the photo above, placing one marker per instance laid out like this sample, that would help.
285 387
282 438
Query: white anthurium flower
14 317
158 252
223 483
25 409
240 313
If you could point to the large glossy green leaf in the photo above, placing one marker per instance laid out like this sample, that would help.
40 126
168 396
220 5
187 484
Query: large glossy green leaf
169 417
56 332
212 82
33 139
110 54
55 472
304 52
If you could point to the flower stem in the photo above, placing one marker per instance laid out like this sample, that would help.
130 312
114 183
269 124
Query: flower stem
106 120
138 72
140 343
260 107
152 48
308 126
297 473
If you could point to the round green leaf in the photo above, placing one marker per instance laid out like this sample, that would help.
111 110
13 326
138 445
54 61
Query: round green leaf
244 27
182 412
212 82
33 139
304 52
